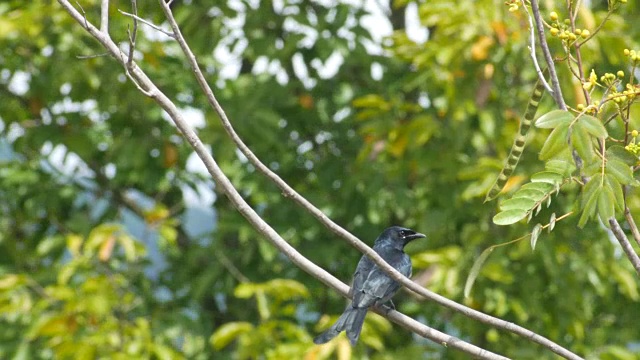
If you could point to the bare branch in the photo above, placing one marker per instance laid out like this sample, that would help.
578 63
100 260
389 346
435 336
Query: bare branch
154 26
133 34
557 92
625 244
632 225
104 16
84 57
532 50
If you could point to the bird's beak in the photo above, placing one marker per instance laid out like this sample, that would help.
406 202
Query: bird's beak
414 236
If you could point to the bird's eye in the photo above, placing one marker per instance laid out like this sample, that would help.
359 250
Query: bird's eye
403 233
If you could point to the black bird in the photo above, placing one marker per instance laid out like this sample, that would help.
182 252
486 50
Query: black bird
372 286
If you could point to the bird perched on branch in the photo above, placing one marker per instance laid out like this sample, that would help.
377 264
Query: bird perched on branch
371 285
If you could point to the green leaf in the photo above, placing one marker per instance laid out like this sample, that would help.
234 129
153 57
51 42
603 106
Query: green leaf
229 332
589 200
509 217
49 244
616 188
618 152
535 233
581 142
163 352
556 142
559 166
245 290
521 203
593 126
286 289
263 305
475 270
129 246
547 177
553 119
593 168
534 194
606 208
627 282
621 171
590 188
552 222
543 187
9 281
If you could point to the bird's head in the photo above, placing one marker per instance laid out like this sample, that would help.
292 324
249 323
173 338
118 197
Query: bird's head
400 235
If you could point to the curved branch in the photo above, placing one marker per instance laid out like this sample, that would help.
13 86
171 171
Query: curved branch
625 244
557 92
632 224
150 89
289 192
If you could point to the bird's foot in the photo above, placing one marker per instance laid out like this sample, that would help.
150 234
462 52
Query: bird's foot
389 306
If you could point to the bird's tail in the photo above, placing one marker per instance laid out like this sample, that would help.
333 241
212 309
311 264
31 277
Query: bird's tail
351 320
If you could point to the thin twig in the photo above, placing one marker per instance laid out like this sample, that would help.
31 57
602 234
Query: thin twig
632 225
84 15
625 244
104 16
228 264
557 92
532 49
572 20
154 26
132 35
574 15
592 34
84 57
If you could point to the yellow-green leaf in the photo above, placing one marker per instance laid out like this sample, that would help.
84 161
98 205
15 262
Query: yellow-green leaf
616 188
553 119
547 177
593 126
621 171
522 203
509 217
589 201
581 142
606 208
475 270
535 234
228 332
556 142
620 153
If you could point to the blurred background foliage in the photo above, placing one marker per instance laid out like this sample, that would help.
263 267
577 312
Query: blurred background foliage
115 244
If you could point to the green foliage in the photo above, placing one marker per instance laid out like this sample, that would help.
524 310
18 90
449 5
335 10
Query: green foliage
530 197
104 254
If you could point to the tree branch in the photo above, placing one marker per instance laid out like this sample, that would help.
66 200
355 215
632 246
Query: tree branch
557 92
104 16
532 49
632 224
241 205
625 244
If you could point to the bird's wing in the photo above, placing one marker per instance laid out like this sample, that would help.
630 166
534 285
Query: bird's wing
378 287
362 271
